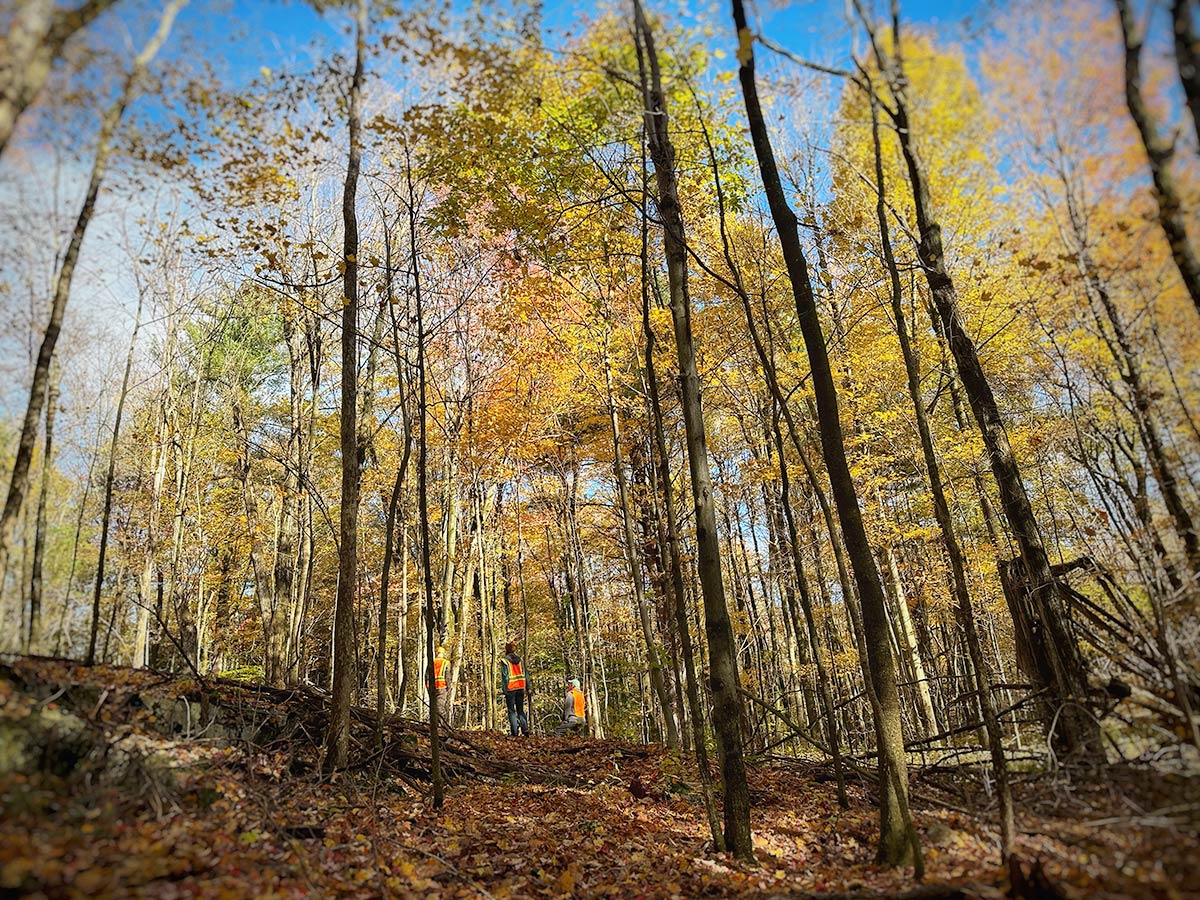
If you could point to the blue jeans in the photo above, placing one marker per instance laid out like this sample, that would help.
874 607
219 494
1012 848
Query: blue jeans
514 701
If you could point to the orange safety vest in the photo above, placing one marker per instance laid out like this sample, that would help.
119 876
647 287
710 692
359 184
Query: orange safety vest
578 697
439 673
514 675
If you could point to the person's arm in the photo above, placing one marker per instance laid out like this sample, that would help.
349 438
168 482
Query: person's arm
568 707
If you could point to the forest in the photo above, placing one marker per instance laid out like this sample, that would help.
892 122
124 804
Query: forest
791 408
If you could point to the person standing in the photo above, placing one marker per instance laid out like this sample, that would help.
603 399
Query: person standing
574 709
441 684
512 677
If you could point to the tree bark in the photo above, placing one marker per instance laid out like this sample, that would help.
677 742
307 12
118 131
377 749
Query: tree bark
337 740
941 509
1159 151
389 542
429 613
1055 641
677 597
898 841
723 671
832 738
36 582
93 459
779 407
574 575
284 596
146 601
402 382
906 640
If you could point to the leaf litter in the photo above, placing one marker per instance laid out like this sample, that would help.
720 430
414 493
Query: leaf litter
544 817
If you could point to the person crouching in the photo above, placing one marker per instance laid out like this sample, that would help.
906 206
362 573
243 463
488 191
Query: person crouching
574 709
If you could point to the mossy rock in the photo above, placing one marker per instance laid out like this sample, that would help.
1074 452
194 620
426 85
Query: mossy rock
247 674
45 740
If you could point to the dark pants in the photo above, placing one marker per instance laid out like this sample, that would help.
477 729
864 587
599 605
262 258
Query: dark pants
515 703
443 702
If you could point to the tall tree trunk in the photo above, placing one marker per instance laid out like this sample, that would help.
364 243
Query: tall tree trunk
146 599
285 594
524 603
337 742
592 663
36 581
381 679
473 589
941 510
803 646
652 551
389 541
297 647
906 639
264 575
450 528
723 671
109 478
35 39
19 483
779 407
832 738
897 837
1064 666
574 576
677 599
487 636
1159 151
653 656
429 613
93 459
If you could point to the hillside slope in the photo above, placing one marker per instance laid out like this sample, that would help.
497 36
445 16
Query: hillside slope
116 782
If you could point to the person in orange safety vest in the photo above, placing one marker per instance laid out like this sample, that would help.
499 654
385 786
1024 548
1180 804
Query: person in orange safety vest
512 682
574 709
441 674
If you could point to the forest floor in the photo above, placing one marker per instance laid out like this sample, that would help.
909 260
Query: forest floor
115 782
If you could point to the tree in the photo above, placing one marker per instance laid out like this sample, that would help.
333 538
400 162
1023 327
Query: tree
19 482
109 477
344 669
36 579
1159 150
653 662
430 614
941 505
35 39
723 670
1036 594
898 840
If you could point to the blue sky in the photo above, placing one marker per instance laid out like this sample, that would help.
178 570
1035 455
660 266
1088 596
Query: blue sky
272 33
290 19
